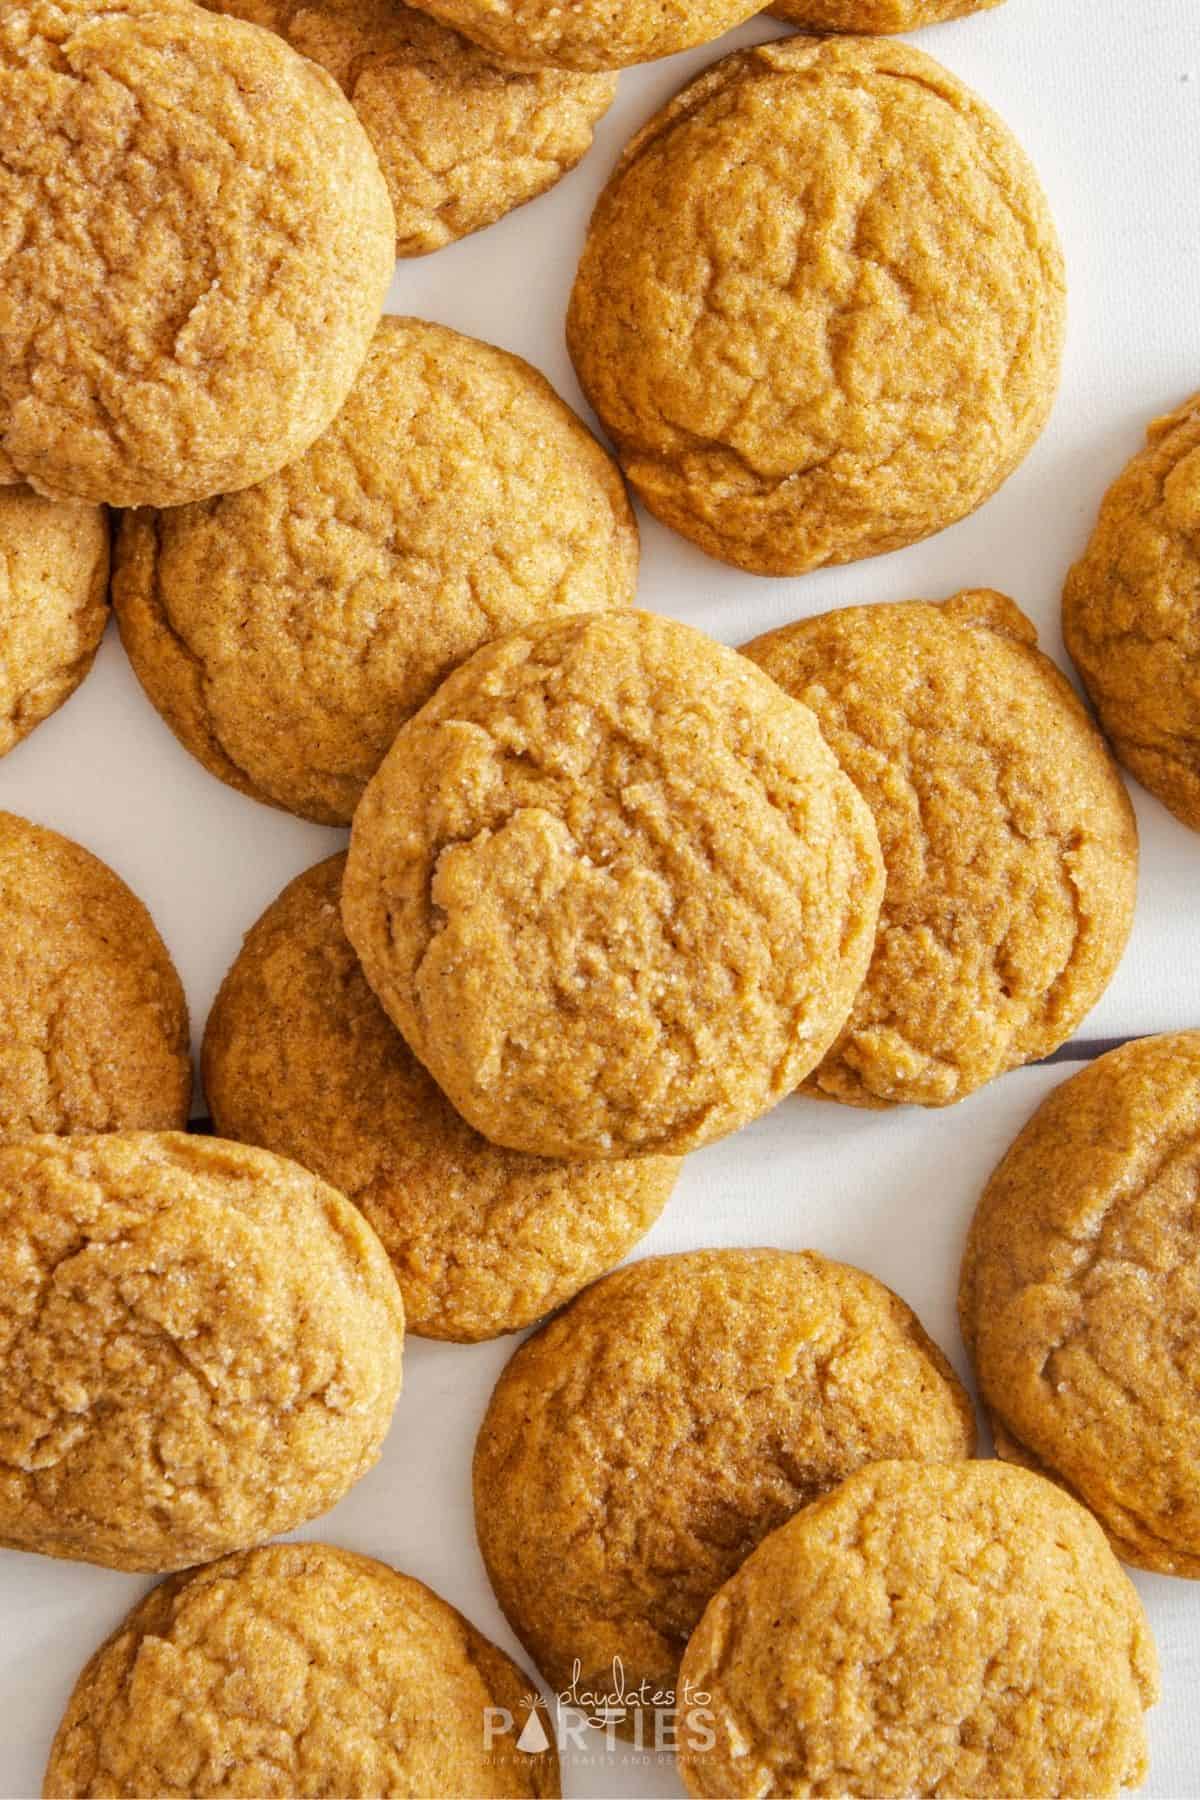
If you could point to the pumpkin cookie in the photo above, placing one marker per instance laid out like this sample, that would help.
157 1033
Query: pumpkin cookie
53 605
1131 613
592 34
1080 1292
300 1057
93 1022
286 633
640 1446
1008 839
201 1347
874 15
613 888
960 1630
820 309
197 243
461 139
298 1669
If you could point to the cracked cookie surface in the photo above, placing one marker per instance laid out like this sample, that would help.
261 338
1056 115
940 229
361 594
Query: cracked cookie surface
820 309
300 1057
874 15
296 1670
197 241
958 1629
1080 1294
1008 839
591 34
202 1347
461 139
53 605
613 888
643 1442
286 633
1131 613
93 1020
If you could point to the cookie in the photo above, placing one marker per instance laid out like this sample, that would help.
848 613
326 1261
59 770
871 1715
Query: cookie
53 605
1008 839
198 241
93 1022
300 1057
201 1347
461 139
639 1447
1131 613
592 34
961 1630
1079 1293
873 15
820 309
286 633
613 888
299 1669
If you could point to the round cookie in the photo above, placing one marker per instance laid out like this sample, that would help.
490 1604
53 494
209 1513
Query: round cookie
298 1669
960 1630
53 605
300 1057
640 1446
1131 613
93 1021
1080 1292
461 139
593 34
1008 839
198 241
202 1347
287 632
820 309
613 888
873 15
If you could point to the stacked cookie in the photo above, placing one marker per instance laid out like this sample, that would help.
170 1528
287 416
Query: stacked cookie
612 892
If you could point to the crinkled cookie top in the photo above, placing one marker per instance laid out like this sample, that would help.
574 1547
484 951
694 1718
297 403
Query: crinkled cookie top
873 15
958 1629
588 34
613 888
1008 838
286 633
1080 1295
201 1347
461 138
1131 613
643 1442
195 243
53 604
93 1020
820 310
295 1670
300 1057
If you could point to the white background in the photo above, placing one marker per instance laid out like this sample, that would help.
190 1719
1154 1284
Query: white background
1105 95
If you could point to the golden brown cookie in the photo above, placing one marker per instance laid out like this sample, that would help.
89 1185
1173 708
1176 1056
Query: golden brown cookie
639 1447
873 15
201 1347
461 138
53 605
820 309
1008 839
613 888
197 243
960 1630
298 1669
93 1022
1080 1292
286 633
1131 613
300 1057
591 34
